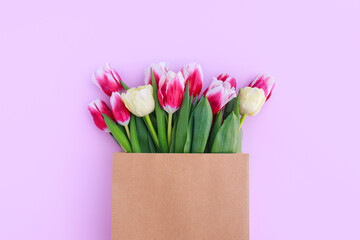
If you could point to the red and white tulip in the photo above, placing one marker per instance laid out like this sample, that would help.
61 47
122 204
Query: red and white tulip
264 82
108 80
159 70
227 78
171 91
119 110
193 74
219 93
96 109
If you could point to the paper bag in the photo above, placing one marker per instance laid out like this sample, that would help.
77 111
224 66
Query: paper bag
180 196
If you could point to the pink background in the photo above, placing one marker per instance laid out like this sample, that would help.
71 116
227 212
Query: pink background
55 174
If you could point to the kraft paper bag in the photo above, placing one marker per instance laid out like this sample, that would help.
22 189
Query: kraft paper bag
180 196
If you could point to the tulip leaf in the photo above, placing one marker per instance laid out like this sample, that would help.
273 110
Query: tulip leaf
237 105
225 140
230 107
143 135
173 133
202 125
151 143
121 128
215 129
118 134
153 119
160 118
122 148
134 136
238 141
189 134
124 85
182 123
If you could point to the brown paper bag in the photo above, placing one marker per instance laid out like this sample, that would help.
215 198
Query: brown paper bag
180 196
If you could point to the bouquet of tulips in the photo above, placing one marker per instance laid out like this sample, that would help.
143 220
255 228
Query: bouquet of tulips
168 114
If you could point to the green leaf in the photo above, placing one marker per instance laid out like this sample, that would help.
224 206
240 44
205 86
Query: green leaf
117 143
215 129
237 105
238 141
153 120
143 135
134 136
202 125
230 106
124 85
160 118
151 143
173 133
189 134
225 140
118 134
182 123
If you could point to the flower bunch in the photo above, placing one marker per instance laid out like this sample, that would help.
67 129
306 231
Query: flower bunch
169 115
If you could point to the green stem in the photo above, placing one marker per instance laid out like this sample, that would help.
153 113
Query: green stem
152 130
169 128
127 131
242 121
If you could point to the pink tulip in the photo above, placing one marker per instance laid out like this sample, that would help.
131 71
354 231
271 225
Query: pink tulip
193 74
96 108
264 82
227 78
119 110
107 79
171 91
159 70
219 93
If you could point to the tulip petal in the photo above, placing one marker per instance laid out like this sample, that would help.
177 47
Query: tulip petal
219 94
108 80
158 69
265 82
96 108
171 91
119 110
194 76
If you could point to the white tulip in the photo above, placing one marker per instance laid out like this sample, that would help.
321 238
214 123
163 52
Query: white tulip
140 100
251 100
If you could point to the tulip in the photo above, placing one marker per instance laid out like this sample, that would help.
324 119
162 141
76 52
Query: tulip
193 74
159 70
171 91
140 100
170 95
219 93
96 109
120 112
265 82
227 78
251 100
107 79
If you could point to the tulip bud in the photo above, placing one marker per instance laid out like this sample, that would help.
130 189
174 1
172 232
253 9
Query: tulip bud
107 79
251 100
119 110
159 70
140 100
227 78
171 91
193 74
96 109
265 82
219 93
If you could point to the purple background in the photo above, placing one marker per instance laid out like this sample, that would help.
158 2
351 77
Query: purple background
55 173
